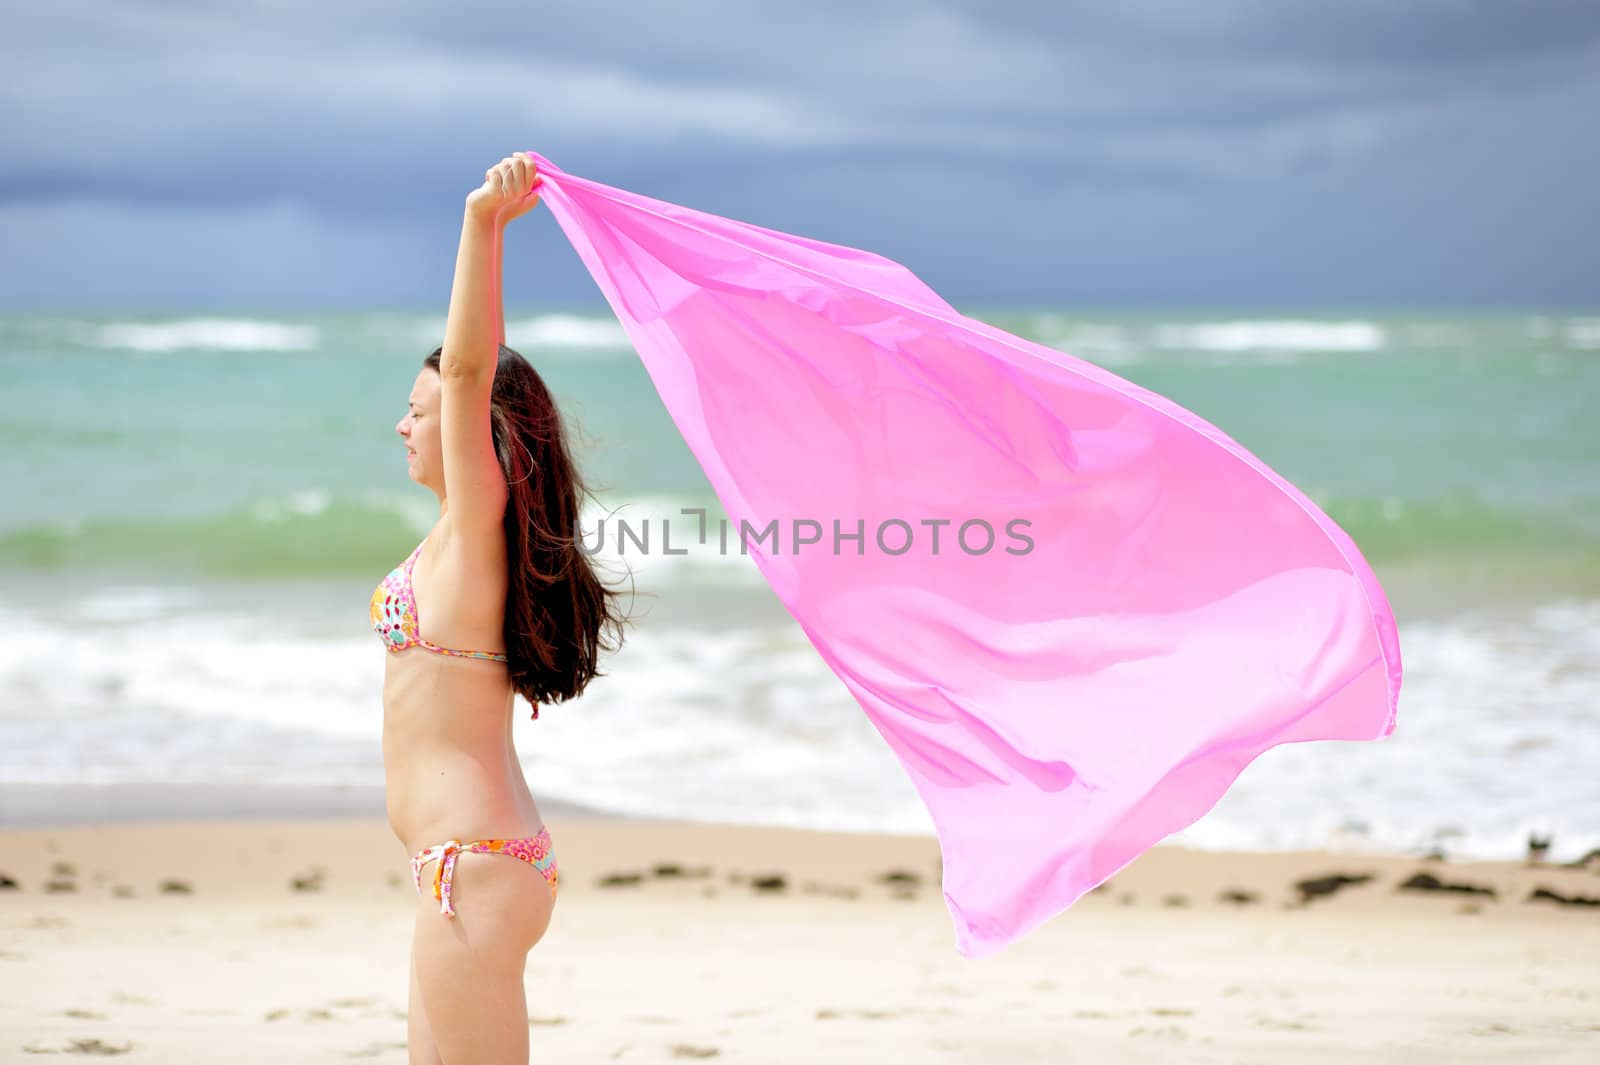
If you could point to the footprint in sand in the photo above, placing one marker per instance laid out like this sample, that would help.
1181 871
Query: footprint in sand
353 1003
79 1046
1277 1024
132 1000
372 1050
316 1014
303 921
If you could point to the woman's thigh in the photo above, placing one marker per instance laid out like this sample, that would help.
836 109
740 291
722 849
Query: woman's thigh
470 967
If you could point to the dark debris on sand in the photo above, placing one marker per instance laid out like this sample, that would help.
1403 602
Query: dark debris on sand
1317 887
312 881
1544 893
1429 882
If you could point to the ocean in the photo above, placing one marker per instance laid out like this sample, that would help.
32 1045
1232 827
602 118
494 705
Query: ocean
195 511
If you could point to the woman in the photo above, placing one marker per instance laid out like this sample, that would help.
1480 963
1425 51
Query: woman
497 599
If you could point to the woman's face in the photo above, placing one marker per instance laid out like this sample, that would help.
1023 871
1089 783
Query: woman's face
420 431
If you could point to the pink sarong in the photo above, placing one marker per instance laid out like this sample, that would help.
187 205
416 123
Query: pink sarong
1074 610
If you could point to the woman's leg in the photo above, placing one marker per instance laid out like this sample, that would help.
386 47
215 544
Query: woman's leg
470 967
420 1048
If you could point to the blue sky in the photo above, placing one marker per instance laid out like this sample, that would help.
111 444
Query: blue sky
174 156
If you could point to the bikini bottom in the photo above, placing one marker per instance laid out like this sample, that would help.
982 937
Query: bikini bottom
535 850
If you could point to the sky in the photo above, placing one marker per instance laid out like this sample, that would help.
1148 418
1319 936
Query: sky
287 156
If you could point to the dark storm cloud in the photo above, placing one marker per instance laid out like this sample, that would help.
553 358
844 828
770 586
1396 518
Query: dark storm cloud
1078 122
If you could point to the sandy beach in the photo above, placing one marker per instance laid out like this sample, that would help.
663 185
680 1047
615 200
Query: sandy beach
257 940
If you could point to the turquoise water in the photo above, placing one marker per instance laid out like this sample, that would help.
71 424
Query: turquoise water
196 509
196 447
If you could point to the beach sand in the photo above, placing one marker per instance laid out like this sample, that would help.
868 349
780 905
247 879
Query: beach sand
1186 956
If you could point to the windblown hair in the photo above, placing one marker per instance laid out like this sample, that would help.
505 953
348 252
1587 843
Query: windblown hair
556 605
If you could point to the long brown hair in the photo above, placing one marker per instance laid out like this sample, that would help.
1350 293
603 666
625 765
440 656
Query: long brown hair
556 605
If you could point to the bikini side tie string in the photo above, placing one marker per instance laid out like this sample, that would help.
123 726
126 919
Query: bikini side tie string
446 852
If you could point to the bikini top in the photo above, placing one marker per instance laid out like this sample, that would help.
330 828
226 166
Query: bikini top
394 614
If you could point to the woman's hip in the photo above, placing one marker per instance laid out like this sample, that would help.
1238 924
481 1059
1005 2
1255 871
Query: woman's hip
536 851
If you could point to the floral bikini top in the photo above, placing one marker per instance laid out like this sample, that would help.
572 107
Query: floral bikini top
394 614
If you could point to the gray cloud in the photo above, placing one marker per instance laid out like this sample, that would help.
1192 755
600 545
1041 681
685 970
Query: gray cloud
1042 128
1351 34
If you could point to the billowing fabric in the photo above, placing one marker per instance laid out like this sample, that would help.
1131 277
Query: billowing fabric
1150 609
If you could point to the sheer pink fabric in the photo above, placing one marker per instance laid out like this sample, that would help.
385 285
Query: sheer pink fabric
1060 704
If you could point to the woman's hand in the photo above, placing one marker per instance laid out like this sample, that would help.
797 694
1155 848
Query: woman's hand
507 190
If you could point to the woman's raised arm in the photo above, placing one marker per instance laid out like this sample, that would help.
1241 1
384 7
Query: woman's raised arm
474 329
499 260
